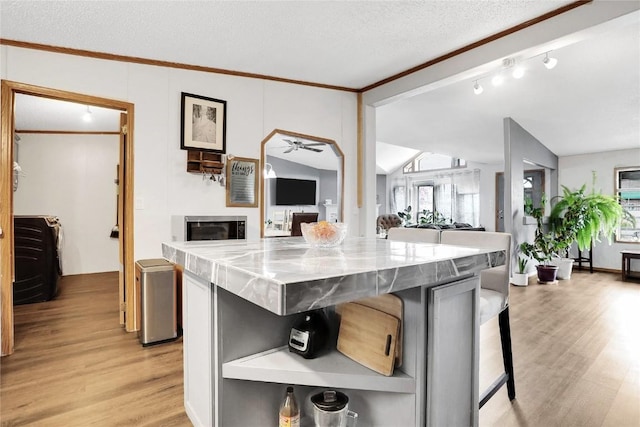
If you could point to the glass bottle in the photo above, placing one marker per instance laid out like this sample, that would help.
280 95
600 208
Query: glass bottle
289 410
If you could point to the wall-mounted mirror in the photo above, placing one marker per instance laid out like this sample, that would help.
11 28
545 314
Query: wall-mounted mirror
300 173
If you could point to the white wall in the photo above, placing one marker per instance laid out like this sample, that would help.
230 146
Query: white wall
575 171
72 177
382 195
162 187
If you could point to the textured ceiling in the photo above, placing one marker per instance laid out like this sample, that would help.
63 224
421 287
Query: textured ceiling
344 43
590 102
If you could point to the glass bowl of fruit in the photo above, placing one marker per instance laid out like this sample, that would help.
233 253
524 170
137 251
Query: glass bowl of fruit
324 234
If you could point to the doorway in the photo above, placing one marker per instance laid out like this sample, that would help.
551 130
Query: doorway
128 302
533 184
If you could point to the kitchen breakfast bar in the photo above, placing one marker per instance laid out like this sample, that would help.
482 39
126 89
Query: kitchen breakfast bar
240 300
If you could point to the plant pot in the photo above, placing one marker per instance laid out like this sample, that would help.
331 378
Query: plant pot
520 279
565 266
547 273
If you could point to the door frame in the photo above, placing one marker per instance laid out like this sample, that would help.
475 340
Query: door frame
8 91
500 194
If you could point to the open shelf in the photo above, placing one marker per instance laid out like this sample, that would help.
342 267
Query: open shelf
204 162
334 369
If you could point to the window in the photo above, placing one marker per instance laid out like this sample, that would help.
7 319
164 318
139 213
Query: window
432 162
399 198
425 197
454 196
628 190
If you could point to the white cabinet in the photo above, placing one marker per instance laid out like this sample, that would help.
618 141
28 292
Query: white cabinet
236 358
197 337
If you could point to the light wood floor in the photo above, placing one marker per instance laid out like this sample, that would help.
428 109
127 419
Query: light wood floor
576 351
75 366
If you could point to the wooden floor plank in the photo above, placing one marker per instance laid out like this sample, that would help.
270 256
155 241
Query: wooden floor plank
575 348
575 344
74 365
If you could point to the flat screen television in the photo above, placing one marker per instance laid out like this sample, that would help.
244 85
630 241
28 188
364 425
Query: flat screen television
291 191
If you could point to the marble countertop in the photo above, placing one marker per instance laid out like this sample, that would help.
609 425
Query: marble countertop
286 275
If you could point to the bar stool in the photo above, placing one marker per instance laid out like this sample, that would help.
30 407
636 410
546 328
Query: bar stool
494 298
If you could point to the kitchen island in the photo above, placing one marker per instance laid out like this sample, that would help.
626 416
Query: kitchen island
240 300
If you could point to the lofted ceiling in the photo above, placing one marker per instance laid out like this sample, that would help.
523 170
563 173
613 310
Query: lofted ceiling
590 102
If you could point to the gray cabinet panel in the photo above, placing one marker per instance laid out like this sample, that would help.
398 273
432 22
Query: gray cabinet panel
452 362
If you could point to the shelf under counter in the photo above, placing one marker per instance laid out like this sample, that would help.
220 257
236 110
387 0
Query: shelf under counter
333 369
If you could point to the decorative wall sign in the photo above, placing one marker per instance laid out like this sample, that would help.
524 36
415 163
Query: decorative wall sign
242 182
203 123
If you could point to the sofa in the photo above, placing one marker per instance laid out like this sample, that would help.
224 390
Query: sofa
387 221
454 226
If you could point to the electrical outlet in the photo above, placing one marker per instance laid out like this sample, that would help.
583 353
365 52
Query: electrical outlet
139 203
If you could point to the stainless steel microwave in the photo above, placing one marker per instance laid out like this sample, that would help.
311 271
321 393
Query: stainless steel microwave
187 228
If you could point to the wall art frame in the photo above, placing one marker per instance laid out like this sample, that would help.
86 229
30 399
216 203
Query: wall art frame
203 123
242 182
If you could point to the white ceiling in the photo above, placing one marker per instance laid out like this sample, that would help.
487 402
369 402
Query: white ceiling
590 102
344 43
35 113
326 159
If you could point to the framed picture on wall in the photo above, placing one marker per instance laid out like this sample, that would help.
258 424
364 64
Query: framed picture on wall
203 123
242 182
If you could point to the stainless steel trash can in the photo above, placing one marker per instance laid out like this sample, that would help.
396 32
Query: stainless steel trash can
156 279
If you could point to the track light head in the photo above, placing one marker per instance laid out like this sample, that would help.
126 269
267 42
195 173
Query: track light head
477 88
549 62
518 72
87 117
497 80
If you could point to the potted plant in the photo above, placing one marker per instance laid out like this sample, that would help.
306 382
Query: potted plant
581 217
521 278
585 217
545 246
406 216
434 218
565 267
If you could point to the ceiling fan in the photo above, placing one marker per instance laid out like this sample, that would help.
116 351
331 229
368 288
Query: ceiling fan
295 145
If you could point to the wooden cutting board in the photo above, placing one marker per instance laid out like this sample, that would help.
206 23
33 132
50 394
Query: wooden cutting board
369 337
390 304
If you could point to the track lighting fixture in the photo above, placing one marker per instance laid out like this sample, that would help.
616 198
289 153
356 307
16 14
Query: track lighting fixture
514 67
477 88
87 117
549 62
